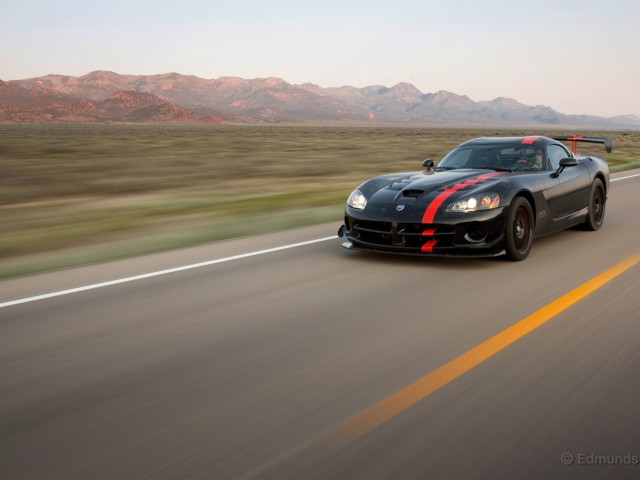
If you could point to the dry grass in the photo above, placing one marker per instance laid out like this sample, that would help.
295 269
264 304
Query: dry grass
87 188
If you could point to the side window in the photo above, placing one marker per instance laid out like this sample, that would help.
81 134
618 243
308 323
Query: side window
555 154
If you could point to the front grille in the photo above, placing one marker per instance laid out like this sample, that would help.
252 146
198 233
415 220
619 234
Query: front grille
397 235
420 238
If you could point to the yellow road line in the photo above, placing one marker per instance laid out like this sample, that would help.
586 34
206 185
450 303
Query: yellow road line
418 390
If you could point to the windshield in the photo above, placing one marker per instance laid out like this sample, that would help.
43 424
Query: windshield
495 157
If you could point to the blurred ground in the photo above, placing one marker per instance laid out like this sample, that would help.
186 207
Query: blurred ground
73 195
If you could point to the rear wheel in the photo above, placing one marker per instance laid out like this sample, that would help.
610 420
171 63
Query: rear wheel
519 229
597 198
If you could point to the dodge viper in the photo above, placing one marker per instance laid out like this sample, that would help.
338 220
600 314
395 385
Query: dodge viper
489 196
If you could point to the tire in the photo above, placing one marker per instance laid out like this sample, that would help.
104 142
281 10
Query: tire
597 200
519 229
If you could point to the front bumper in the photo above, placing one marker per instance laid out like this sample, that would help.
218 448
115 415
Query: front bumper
458 234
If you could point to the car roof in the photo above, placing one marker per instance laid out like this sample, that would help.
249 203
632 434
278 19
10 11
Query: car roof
530 140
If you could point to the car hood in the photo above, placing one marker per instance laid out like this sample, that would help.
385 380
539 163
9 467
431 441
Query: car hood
422 186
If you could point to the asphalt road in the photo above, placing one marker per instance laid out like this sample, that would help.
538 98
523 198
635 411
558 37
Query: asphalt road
249 367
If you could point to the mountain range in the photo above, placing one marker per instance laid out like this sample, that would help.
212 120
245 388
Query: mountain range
107 97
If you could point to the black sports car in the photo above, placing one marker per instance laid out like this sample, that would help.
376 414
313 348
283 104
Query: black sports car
489 196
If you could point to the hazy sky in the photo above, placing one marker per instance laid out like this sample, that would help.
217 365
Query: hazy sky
574 56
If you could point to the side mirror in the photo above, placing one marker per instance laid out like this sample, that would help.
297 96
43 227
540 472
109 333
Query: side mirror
564 163
429 164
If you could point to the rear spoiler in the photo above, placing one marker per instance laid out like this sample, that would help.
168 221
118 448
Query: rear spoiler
608 144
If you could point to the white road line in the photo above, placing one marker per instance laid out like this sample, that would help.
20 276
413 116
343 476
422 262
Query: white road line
624 178
180 269
161 272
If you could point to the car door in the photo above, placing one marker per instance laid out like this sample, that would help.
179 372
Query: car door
571 193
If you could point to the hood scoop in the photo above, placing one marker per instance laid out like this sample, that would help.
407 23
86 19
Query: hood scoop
408 195
412 193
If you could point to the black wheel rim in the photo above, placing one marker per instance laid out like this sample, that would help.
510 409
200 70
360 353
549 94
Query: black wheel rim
521 229
598 206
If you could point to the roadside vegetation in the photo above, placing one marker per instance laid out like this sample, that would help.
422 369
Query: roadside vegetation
78 194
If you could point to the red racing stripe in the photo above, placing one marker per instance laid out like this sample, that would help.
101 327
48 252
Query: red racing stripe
529 140
428 247
431 210
435 204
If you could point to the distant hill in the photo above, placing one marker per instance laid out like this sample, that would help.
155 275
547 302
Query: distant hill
43 104
172 97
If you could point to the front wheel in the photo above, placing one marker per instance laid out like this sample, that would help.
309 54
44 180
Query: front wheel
597 198
519 229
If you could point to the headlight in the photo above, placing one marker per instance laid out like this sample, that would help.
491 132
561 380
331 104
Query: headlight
487 201
357 200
